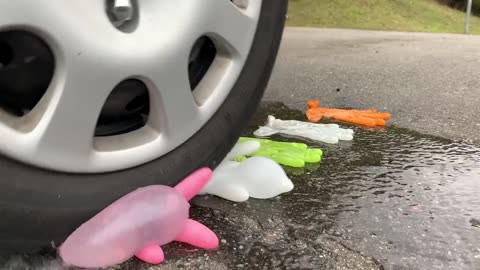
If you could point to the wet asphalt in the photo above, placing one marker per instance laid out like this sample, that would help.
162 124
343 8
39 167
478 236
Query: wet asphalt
403 197
391 199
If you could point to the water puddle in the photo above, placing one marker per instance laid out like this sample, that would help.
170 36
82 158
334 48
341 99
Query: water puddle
391 199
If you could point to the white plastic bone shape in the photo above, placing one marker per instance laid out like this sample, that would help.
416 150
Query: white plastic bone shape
327 133
256 177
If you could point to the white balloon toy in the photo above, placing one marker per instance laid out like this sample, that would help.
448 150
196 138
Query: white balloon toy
256 177
327 133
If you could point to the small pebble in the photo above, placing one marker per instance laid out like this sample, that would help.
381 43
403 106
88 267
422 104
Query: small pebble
475 222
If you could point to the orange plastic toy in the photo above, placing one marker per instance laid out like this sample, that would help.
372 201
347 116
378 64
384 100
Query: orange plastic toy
369 118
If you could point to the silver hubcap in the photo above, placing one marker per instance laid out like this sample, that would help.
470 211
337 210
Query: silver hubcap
92 56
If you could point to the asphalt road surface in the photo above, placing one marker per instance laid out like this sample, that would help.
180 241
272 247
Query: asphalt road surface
429 82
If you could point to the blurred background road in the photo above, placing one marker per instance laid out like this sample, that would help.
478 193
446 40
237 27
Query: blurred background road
429 82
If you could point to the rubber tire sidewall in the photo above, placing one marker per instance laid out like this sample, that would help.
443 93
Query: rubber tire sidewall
39 208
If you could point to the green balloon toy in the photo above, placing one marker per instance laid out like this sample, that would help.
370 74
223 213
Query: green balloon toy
286 153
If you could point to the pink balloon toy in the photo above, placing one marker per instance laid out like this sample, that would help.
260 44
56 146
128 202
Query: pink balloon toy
137 224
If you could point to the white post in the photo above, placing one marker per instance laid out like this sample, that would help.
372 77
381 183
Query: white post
469 12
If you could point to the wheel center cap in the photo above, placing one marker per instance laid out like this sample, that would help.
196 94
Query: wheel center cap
121 11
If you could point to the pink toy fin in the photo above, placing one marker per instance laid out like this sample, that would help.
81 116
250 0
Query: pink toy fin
197 234
151 254
194 183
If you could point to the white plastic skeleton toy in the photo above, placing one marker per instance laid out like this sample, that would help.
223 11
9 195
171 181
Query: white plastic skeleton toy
327 133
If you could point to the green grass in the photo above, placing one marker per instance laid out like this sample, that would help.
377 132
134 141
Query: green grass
400 15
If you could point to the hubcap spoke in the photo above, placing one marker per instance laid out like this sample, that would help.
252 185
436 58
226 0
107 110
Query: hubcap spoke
67 126
172 103
228 24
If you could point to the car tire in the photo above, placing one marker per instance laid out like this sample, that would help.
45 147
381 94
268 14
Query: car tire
40 208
